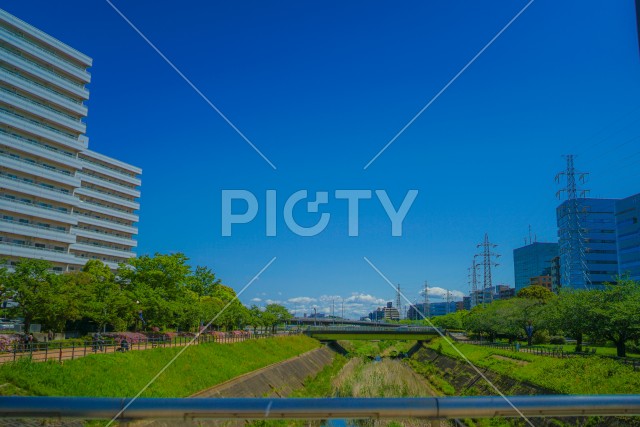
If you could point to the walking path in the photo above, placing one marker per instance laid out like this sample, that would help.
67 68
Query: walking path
58 352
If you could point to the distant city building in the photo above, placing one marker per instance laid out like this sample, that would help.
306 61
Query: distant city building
599 261
554 272
59 201
628 236
466 303
391 313
544 281
460 305
442 308
532 260
417 312
504 292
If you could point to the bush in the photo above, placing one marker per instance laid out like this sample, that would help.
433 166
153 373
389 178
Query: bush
557 340
540 337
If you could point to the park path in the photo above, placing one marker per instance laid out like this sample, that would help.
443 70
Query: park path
56 352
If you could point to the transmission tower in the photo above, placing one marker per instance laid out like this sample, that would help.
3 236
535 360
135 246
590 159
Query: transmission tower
572 239
473 282
399 301
448 301
426 309
488 256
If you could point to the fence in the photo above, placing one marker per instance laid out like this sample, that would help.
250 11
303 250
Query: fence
551 352
59 351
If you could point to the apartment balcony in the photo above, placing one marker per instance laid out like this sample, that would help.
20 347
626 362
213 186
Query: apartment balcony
30 209
26 251
37 129
36 231
45 74
40 110
111 211
46 55
43 92
45 38
95 249
26 145
39 170
111 225
20 186
108 184
97 194
104 237
114 173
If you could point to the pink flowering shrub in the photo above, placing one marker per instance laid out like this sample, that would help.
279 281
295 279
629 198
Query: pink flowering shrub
132 337
218 334
240 333
7 340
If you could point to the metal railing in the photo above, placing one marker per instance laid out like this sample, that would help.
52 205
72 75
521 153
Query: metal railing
43 87
38 226
38 185
61 350
558 352
433 408
34 163
36 143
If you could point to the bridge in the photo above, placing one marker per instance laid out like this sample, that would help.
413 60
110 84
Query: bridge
326 321
404 332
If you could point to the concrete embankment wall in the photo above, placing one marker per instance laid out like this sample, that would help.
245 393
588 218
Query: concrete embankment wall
277 380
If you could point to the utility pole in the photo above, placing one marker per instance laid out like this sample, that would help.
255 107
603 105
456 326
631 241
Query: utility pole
473 281
571 240
488 256
427 310
448 301
399 301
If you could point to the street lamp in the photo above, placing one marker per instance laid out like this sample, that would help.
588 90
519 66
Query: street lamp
315 316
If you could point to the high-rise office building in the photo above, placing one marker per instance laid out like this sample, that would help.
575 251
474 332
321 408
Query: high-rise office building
628 236
59 201
532 260
594 262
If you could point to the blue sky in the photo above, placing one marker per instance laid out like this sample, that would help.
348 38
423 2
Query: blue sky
320 87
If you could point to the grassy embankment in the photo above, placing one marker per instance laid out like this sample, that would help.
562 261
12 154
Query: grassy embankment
575 375
125 374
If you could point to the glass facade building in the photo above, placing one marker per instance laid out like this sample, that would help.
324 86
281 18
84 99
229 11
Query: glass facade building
628 236
596 258
532 260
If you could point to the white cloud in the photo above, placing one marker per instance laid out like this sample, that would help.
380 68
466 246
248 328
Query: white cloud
302 300
256 300
273 301
437 292
365 299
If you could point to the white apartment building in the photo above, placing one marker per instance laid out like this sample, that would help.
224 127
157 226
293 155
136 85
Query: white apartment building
59 201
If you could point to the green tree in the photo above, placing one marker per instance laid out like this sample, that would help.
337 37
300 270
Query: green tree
571 313
455 320
158 284
31 287
536 292
105 302
203 281
275 314
615 313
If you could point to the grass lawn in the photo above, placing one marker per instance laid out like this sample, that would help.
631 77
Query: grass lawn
575 375
125 374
